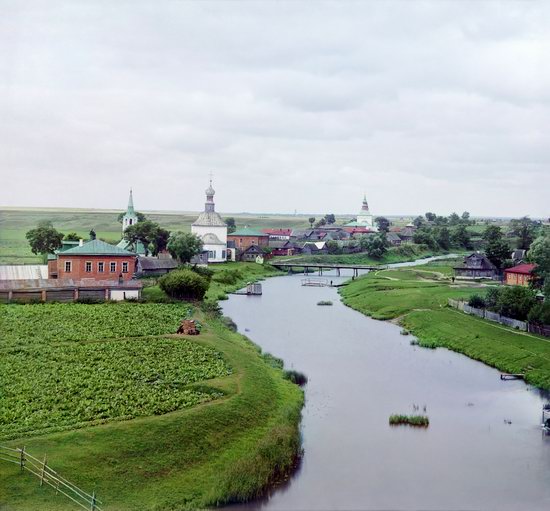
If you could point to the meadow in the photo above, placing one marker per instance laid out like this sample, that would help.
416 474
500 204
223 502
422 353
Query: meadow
417 299
150 421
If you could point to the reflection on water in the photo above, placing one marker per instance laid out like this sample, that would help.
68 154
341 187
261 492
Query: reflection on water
484 448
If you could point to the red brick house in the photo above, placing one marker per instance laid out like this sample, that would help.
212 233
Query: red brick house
93 260
519 275
246 237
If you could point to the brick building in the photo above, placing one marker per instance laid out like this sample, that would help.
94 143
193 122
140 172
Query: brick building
519 275
244 238
93 260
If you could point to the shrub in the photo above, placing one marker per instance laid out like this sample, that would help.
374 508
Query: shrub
476 301
203 272
184 285
540 314
411 420
491 298
516 302
295 377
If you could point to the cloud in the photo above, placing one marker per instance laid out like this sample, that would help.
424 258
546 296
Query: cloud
293 105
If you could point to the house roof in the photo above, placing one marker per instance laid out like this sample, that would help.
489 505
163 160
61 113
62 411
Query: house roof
277 232
486 264
393 236
23 271
246 231
209 219
524 269
97 247
153 263
255 249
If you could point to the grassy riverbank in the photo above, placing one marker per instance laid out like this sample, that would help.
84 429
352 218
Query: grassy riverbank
417 299
230 427
404 253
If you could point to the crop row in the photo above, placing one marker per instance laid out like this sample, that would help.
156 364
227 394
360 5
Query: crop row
72 384
38 324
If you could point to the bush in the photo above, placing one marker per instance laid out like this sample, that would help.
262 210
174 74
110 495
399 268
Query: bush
203 272
476 301
491 298
184 285
540 314
516 302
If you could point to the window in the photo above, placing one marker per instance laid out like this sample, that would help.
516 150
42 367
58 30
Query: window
211 254
68 265
223 254
101 267
125 267
88 266
113 267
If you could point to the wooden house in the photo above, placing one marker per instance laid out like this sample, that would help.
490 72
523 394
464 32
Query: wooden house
476 266
519 275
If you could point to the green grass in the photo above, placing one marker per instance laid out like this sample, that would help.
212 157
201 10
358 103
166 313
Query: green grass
240 437
421 306
407 252
410 420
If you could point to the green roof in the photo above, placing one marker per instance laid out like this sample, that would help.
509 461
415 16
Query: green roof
137 247
247 232
97 247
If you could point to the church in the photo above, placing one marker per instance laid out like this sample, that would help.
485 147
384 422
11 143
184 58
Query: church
210 227
365 220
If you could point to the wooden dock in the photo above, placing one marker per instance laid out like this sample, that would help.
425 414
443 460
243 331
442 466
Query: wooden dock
315 282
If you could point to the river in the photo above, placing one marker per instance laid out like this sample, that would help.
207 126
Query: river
484 448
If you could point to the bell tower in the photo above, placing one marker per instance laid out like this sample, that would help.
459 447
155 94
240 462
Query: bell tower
130 217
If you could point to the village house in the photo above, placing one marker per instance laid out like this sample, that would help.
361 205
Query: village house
283 248
244 238
278 234
519 275
152 266
95 260
393 239
476 266
252 254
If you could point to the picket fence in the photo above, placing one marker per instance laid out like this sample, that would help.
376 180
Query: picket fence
47 475
503 320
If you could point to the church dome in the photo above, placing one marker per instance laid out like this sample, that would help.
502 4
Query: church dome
210 191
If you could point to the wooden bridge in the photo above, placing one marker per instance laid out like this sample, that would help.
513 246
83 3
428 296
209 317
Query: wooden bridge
320 267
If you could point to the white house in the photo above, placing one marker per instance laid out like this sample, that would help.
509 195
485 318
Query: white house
210 227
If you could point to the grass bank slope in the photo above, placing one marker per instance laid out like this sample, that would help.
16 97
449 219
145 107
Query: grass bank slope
418 297
225 447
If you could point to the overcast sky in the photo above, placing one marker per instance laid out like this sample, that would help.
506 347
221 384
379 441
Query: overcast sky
424 106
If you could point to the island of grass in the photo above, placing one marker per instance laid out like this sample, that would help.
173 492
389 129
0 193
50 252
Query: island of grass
146 418
416 298
324 302
420 421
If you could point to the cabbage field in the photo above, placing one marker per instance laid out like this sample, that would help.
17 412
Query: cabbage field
47 383
46 323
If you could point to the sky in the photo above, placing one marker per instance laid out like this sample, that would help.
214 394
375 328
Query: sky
293 106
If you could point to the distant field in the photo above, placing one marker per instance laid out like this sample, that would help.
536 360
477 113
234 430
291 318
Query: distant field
14 223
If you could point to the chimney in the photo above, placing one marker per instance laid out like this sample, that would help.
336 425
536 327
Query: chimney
80 242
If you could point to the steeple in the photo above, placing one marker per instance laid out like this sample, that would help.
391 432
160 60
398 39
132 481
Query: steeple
130 217
365 206
209 204
130 203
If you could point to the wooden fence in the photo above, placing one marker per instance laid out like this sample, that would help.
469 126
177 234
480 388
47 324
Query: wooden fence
48 476
503 320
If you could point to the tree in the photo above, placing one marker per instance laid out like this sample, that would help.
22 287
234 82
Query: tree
330 218
465 218
311 221
375 246
441 220
231 226
383 223
524 229
430 216
321 222
72 236
333 247
424 236
184 284
443 238
44 239
460 237
497 250
140 217
515 302
184 245
418 221
145 231
92 234
454 219
539 254
160 240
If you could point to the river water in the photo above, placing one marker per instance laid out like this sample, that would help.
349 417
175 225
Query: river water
484 448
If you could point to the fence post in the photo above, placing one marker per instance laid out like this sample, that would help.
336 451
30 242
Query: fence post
92 506
43 471
22 460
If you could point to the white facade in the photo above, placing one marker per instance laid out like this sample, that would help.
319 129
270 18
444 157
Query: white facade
119 295
210 227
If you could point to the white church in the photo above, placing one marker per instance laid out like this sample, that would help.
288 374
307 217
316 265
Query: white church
210 227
